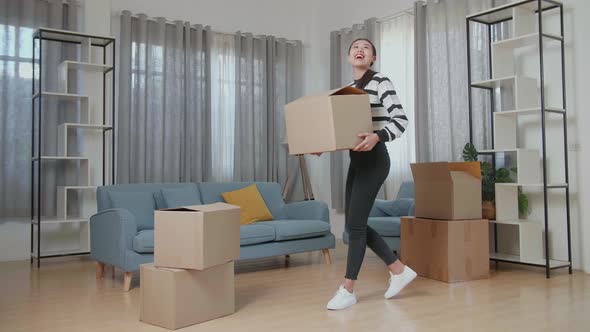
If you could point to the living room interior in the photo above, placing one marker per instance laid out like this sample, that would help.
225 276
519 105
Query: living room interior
183 165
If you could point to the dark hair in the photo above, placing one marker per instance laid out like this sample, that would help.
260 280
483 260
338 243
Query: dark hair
363 81
368 41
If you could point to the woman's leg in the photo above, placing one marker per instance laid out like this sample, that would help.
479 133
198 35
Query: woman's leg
380 247
364 188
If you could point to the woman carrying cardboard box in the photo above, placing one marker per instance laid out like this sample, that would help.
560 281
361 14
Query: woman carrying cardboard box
369 167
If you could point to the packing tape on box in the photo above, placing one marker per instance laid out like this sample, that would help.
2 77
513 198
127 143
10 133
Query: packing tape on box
467 230
410 225
433 228
468 267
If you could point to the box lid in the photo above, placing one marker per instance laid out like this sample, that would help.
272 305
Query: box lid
442 171
219 206
472 168
431 172
345 90
342 91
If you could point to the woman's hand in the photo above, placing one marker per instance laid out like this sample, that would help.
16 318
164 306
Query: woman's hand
369 141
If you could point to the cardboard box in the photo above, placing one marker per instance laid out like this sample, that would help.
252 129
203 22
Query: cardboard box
197 237
447 191
446 250
175 298
329 121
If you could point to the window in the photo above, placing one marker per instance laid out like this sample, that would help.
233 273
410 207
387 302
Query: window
16 52
397 63
223 99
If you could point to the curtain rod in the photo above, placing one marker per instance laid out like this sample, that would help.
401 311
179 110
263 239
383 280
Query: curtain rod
154 19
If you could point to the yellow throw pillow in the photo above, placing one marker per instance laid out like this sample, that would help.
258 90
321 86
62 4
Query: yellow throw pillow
252 205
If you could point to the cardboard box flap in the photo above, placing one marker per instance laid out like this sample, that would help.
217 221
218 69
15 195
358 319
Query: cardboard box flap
472 168
462 177
179 209
203 208
219 206
346 90
431 172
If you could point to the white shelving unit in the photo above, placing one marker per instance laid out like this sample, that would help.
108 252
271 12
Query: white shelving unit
85 209
526 94
526 20
526 159
62 134
68 65
79 171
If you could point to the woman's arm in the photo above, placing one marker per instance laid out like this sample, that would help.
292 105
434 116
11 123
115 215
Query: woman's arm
398 121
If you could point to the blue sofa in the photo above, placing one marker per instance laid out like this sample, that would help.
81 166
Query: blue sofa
122 231
385 215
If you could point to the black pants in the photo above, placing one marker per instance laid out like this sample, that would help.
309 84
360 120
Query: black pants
366 174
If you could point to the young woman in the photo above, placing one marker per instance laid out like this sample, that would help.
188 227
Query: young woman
369 167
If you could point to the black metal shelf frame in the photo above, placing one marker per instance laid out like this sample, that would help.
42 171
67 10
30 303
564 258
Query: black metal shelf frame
69 37
541 7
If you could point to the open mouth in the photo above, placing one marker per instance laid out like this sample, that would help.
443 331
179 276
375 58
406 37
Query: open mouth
359 56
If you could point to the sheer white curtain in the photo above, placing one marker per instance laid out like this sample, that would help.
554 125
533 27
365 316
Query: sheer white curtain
223 105
397 62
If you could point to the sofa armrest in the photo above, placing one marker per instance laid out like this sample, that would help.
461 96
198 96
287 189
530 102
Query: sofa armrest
395 208
111 236
308 210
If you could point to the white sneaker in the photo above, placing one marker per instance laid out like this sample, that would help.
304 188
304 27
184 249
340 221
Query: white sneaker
398 281
342 299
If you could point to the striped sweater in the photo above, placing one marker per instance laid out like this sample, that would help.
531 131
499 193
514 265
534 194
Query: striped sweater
389 118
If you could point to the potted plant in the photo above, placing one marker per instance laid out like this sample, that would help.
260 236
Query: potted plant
489 178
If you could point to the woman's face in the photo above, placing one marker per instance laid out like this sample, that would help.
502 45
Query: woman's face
361 54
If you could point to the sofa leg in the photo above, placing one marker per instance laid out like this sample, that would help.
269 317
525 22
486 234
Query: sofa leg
326 253
287 257
114 272
127 281
99 270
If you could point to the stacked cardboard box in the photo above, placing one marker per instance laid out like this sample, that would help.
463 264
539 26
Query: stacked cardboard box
192 277
447 239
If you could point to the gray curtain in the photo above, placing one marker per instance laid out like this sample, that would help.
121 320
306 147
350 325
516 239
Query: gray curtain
163 101
341 74
267 77
194 103
18 20
441 92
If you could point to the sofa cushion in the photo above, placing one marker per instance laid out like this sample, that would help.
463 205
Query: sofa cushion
385 226
255 233
396 208
182 196
141 204
252 206
143 242
300 229
270 192
104 202
406 190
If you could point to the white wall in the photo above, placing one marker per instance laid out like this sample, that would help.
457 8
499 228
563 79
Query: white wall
577 69
578 99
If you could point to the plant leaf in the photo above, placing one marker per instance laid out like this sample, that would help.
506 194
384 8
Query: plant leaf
469 152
